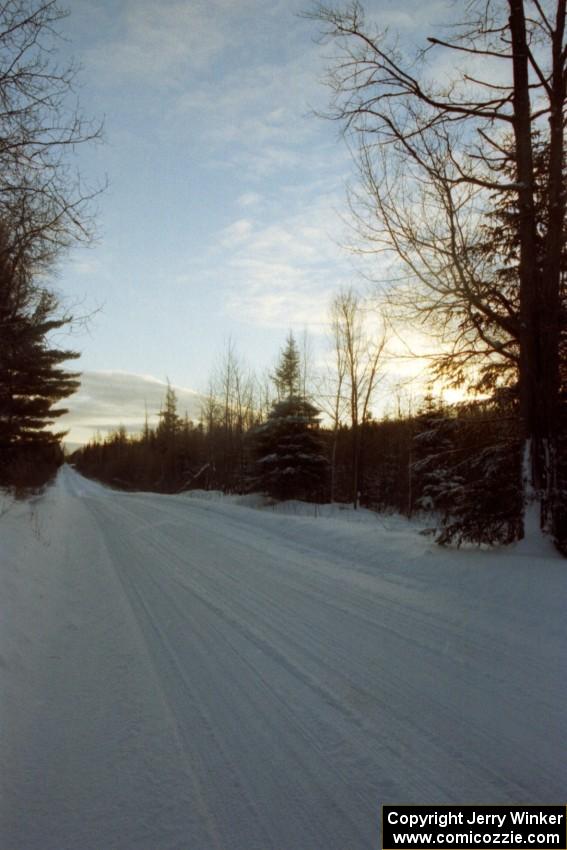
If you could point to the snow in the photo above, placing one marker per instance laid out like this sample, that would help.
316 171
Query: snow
186 672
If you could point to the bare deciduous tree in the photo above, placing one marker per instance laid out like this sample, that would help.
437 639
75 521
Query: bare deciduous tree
228 413
41 196
453 145
358 360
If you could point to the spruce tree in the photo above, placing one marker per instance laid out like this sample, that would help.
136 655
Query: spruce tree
287 376
466 469
289 452
32 380
167 433
169 420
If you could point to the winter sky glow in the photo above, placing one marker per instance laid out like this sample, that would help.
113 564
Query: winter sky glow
223 213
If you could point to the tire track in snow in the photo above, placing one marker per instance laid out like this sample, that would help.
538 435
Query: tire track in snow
221 678
419 711
167 670
239 695
400 728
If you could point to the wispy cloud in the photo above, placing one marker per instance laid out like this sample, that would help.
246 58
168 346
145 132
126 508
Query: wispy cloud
258 115
107 400
410 16
236 233
284 272
161 43
249 199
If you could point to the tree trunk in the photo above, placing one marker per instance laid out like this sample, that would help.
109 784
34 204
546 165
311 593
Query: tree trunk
551 276
532 414
334 464
355 463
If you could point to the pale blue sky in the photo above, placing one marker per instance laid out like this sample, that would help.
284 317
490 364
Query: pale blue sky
222 216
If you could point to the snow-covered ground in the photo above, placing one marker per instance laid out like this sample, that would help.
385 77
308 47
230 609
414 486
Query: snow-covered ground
192 674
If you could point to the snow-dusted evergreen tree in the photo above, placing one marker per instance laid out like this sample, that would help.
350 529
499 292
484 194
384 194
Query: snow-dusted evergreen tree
291 461
432 446
466 469
290 457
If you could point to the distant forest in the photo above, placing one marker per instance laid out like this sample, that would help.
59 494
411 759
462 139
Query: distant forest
459 462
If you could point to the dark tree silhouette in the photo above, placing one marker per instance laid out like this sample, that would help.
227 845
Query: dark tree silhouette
40 126
432 155
44 208
287 376
291 460
32 380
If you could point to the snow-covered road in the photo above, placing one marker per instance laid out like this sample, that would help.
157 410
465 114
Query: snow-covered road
182 674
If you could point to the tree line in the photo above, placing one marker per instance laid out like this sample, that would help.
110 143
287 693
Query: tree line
457 462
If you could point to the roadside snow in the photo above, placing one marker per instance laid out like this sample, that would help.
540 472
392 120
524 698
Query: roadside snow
186 672
294 507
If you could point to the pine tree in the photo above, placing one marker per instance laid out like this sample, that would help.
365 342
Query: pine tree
31 378
167 438
290 455
287 376
291 461
169 420
431 470
467 469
